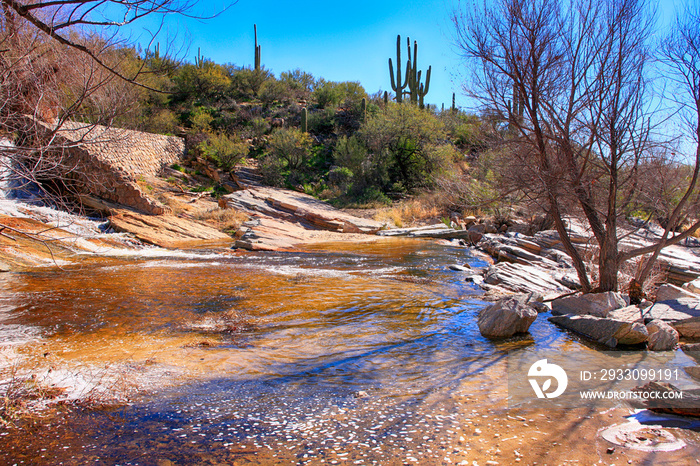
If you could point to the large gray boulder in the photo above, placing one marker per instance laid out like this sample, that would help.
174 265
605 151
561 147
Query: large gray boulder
593 304
606 331
662 337
507 316
667 292
683 314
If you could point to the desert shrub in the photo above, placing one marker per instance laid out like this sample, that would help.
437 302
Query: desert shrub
299 82
259 127
322 121
270 168
291 146
272 91
340 177
201 119
406 148
223 151
246 82
163 122
327 94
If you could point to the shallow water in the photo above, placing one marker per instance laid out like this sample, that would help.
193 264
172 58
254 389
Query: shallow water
364 353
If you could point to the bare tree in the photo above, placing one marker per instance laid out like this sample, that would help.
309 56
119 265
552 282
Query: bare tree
681 54
570 79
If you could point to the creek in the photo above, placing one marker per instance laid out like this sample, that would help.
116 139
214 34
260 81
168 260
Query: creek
362 353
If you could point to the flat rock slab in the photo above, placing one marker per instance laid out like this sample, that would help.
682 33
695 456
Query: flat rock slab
667 292
682 314
286 220
523 279
165 230
595 304
627 314
674 309
687 405
606 331
299 207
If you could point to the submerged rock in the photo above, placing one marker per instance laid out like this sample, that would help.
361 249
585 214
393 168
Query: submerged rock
507 316
593 304
687 404
606 331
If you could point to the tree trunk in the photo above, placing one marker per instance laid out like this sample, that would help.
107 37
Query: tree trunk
608 262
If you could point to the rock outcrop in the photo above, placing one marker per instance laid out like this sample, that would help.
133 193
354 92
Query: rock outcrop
108 162
282 219
166 230
668 292
688 404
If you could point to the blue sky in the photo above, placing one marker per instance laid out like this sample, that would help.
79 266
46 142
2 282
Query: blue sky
339 41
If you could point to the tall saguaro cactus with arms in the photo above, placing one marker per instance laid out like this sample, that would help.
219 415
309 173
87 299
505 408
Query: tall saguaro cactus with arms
396 83
412 78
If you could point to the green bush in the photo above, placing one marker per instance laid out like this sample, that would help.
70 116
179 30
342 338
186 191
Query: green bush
340 177
246 82
201 120
270 168
222 151
291 146
272 91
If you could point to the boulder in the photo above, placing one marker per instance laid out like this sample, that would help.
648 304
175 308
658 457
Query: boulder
667 292
606 331
506 317
662 337
691 347
478 228
593 304
683 314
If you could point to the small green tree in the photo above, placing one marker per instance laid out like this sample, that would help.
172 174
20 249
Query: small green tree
407 147
291 146
222 151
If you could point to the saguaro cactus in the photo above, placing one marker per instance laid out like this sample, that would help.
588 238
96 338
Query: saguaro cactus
417 89
257 48
396 83
304 120
199 59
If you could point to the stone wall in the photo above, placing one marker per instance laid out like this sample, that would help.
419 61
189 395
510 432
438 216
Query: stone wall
107 162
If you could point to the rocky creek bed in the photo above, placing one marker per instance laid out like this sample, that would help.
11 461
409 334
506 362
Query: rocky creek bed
370 350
